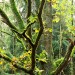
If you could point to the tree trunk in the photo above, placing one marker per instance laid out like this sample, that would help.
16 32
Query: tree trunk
48 38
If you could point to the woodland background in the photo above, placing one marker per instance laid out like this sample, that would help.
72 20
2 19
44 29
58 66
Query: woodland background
37 37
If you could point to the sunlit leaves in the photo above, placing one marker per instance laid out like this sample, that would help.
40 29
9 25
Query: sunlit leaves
32 19
38 70
2 51
48 30
53 1
26 54
42 57
56 19
71 29
12 67
25 59
1 62
58 61
62 13
14 60
36 30
55 6
73 52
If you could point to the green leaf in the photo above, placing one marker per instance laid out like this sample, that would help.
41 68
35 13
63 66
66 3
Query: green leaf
2 51
38 70
50 30
48 0
32 19
73 51
56 19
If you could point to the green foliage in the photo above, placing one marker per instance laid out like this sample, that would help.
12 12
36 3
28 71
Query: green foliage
38 71
73 52
37 3
56 19
2 51
32 19
42 56
55 48
25 60
57 62
6 53
17 48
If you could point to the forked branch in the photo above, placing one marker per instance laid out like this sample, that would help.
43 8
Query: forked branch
39 34
13 28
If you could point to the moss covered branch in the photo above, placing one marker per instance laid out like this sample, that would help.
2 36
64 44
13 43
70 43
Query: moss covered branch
6 20
23 35
17 15
15 65
13 28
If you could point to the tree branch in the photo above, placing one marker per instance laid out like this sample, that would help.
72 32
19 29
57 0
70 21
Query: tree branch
65 61
34 46
13 28
29 8
6 33
28 15
17 15
39 35
6 20
15 65
28 27
28 39
40 21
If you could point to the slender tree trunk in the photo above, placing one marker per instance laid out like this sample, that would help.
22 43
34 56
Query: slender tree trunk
73 66
60 41
72 37
48 38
